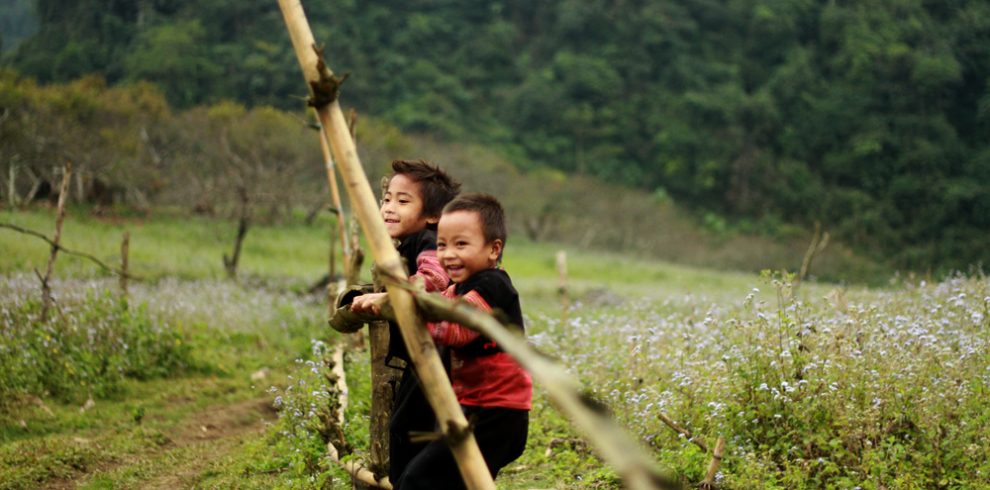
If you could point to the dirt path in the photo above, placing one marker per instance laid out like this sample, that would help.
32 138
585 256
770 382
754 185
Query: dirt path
200 441
219 430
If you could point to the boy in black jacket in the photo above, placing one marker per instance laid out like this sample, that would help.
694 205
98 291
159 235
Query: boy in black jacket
411 207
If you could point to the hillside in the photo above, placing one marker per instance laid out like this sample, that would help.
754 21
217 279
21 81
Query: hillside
870 118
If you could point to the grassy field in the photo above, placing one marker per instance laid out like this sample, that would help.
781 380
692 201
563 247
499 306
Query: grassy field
196 380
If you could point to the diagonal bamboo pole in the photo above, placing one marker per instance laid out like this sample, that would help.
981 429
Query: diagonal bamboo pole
421 349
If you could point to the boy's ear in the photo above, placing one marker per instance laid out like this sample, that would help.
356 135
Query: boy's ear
496 250
432 220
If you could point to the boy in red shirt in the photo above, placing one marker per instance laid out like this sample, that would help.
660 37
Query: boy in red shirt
493 390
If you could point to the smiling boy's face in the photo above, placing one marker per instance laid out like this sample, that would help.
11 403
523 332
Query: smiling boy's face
461 245
402 207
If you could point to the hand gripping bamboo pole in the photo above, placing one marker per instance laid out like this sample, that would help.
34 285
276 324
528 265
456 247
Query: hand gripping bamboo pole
421 349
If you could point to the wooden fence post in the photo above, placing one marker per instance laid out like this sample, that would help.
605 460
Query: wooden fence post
125 244
12 186
438 391
565 301
383 380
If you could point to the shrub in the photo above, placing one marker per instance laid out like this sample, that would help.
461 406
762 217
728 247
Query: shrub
91 341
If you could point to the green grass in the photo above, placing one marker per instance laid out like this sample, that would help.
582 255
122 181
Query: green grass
165 245
191 248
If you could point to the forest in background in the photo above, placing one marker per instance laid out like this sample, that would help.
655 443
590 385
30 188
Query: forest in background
869 117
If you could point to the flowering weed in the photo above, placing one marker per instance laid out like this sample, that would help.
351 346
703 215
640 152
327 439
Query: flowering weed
93 341
875 389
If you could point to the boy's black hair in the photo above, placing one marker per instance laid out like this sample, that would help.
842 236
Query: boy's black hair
437 187
488 208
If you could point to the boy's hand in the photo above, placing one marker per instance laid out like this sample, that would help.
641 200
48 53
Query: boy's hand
369 303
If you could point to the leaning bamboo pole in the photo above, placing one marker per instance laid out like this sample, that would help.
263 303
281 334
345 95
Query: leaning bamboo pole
709 481
335 199
424 356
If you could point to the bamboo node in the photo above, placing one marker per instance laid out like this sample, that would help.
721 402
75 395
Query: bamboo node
327 88
456 434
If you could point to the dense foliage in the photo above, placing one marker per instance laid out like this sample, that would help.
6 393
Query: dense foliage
870 117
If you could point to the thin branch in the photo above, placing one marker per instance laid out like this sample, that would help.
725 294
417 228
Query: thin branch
681 430
51 242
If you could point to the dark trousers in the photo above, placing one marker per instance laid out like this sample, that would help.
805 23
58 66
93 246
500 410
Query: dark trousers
501 435
410 412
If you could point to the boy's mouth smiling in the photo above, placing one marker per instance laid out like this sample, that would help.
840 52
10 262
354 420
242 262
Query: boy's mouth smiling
453 269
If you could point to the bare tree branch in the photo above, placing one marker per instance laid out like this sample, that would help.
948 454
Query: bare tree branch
51 242
681 430
63 196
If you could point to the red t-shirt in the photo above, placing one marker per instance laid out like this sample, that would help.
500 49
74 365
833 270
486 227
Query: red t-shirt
486 380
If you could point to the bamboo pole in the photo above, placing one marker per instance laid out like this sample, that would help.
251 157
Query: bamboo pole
355 468
633 464
63 196
341 383
709 480
357 255
335 198
421 348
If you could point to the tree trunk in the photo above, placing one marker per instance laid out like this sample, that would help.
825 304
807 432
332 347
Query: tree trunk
230 262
